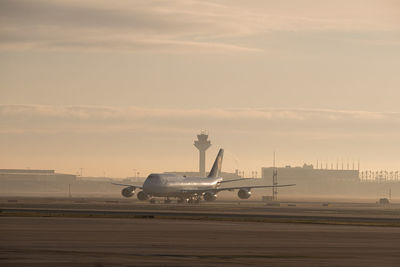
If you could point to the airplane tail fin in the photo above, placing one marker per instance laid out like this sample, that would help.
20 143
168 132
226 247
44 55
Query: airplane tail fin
216 168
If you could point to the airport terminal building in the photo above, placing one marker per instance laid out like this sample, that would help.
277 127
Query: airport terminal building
35 175
29 182
327 182
307 173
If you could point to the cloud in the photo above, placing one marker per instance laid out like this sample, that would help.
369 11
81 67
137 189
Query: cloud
129 134
179 25
130 26
97 119
86 112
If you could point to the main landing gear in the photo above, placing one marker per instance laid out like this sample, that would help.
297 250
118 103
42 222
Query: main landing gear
189 200
194 200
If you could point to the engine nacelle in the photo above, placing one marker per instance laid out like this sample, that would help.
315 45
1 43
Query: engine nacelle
244 194
128 191
142 196
208 196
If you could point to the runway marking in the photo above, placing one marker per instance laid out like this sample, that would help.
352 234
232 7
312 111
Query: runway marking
176 215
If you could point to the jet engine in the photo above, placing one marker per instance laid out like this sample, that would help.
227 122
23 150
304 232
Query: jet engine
208 196
128 191
244 194
142 196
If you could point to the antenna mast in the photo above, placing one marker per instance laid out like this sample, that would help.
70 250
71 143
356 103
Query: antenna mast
274 181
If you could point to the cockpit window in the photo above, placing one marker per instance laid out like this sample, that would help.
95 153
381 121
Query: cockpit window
155 179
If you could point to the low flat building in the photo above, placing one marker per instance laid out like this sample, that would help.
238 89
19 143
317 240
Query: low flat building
35 175
307 173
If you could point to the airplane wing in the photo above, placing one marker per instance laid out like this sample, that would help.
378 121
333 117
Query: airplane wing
234 180
216 190
248 187
134 186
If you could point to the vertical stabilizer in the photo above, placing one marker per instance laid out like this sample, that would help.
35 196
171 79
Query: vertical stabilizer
216 168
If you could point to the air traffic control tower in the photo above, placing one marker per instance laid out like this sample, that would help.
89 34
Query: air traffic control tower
202 144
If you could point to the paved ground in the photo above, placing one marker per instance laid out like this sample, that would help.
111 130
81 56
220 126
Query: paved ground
211 234
52 241
311 212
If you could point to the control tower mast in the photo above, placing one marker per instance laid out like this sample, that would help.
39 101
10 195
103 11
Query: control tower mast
202 144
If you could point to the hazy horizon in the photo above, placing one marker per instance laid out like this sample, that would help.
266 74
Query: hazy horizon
113 87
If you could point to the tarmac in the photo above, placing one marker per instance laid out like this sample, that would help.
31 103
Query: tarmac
62 232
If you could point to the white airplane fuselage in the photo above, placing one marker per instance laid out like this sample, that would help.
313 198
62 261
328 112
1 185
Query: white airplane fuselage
190 189
171 185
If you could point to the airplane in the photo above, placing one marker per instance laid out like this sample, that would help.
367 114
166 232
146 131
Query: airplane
188 189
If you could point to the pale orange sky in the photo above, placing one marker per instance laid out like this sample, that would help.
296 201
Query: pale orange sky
122 85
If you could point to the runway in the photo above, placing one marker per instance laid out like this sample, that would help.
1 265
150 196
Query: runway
225 216
334 213
52 241
101 232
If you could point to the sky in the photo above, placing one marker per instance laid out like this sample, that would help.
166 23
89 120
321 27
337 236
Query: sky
118 87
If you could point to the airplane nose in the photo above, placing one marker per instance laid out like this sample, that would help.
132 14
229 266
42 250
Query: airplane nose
152 183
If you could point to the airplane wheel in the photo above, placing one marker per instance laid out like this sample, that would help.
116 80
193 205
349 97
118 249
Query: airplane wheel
193 200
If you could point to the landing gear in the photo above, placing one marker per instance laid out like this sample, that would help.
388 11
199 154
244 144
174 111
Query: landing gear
180 200
194 200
